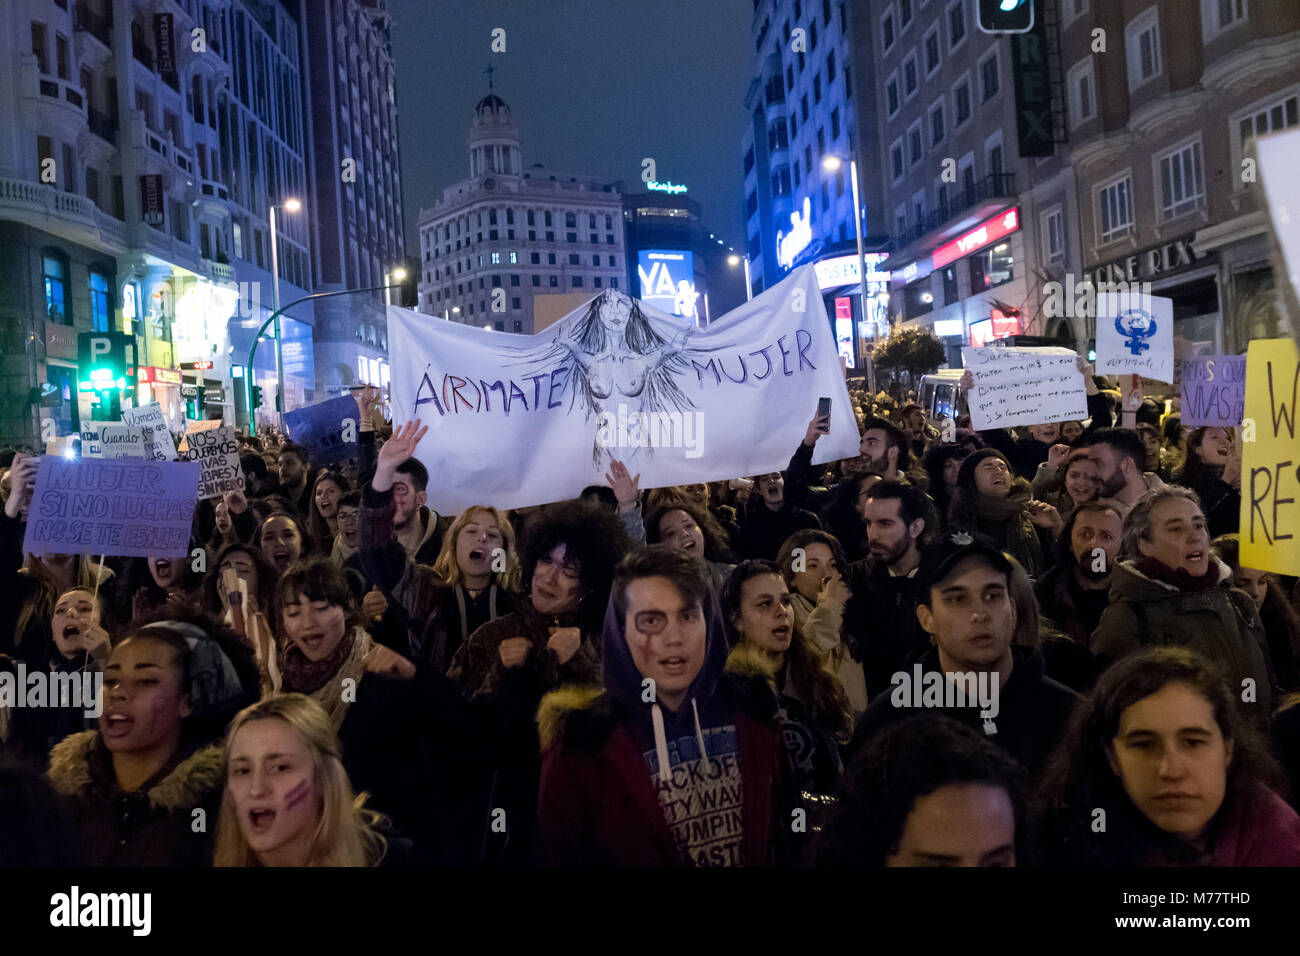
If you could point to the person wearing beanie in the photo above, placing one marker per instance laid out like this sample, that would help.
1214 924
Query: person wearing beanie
991 500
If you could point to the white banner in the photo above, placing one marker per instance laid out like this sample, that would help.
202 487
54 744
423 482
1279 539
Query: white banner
518 420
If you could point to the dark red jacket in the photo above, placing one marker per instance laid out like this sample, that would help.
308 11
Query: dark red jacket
597 805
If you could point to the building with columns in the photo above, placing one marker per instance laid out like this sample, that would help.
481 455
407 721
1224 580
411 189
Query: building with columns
508 234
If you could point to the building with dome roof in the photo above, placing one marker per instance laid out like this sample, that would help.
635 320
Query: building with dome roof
526 231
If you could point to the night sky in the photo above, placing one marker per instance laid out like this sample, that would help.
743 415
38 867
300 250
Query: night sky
595 86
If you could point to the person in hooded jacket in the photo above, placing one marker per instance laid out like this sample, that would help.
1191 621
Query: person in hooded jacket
770 519
964 603
550 639
694 775
137 780
1169 589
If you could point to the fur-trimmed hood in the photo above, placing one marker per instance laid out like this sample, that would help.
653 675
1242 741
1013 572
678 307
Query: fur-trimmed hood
189 784
747 671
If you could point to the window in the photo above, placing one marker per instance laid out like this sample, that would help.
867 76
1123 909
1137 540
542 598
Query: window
835 123
936 123
909 76
896 159
931 46
1182 186
595 283
69 172
1082 92
1115 209
514 258
54 270
38 47
1053 232
803 107
535 258
1219 15
577 282
613 283
917 298
550 258
817 91
887 30
900 219
1074 9
547 217
515 304
1142 42
537 280
904 14
570 220
573 259
830 69
613 261
961 102
496 258
555 282
531 218
990 268
989 77
914 149
571 237
1280 114
891 95
918 206
101 315
956 24
950 284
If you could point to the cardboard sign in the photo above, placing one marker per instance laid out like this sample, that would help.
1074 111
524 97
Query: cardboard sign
328 430
193 427
112 440
217 451
1270 467
98 506
158 437
1024 386
1135 335
1214 390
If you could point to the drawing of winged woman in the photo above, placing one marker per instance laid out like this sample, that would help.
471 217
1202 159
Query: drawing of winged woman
614 355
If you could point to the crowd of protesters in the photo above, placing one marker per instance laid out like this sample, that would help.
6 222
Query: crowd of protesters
957 648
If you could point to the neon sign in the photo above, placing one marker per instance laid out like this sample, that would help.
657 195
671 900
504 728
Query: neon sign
991 230
789 245
670 188
845 270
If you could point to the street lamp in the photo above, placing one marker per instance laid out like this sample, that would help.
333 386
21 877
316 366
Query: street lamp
289 205
734 260
831 163
398 275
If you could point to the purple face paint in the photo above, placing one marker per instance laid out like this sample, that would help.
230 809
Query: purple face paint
297 795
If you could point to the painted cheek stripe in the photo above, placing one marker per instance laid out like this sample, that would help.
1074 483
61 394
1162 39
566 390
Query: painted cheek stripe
297 795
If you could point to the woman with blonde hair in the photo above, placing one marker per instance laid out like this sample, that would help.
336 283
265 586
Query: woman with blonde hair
288 800
474 580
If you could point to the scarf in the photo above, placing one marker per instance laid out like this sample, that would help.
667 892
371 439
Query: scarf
323 680
997 510
1179 577
1007 521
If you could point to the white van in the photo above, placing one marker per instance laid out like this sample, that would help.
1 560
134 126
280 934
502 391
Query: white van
941 396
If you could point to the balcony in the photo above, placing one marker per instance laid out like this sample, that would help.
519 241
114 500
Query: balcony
64 214
142 54
984 197
59 102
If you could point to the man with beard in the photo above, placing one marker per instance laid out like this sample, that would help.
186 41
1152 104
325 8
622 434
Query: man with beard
1076 589
296 477
880 617
883 449
1120 456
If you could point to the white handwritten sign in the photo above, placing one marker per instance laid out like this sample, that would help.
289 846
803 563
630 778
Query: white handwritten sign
1024 386
159 444
1135 335
218 452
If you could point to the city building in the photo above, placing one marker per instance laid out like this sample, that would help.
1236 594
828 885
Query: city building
354 214
509 233
811 107
1161 143
673 262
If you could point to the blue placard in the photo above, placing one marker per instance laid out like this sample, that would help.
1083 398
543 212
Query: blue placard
113 507
320 429
1214 390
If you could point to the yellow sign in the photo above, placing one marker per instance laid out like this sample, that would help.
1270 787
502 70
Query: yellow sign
197 426
1270 472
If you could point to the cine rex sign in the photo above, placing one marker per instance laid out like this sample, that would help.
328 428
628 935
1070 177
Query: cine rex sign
1148 264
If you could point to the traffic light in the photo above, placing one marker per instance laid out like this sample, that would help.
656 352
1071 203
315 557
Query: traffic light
257 396
1006 16
105 361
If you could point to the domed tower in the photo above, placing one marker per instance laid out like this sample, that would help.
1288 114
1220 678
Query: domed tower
493 140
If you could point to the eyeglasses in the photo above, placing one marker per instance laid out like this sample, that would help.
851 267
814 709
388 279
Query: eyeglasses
349 515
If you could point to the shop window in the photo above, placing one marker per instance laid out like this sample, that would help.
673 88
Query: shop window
54 272
917 298
991 268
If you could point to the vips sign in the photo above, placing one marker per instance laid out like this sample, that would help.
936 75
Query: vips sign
1270 470
124 508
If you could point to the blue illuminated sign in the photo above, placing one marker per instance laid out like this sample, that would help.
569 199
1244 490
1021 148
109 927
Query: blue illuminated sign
668 281
670 188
